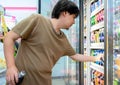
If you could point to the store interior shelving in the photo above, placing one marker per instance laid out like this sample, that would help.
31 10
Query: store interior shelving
97 40
2 59
116 43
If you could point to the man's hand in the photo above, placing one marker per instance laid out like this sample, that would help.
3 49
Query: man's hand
99 57
12 75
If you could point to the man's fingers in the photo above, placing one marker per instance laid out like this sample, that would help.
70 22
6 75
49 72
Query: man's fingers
11 80
7 80
16 78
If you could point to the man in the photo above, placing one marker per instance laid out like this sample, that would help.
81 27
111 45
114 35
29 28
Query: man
42 44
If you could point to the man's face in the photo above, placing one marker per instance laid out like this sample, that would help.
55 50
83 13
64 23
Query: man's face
69 20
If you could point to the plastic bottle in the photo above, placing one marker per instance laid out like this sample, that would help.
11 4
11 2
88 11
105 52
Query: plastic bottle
102 34
102 15
21 77
91 21
92 37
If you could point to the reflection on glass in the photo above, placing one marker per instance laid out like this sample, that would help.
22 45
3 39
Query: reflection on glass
116 42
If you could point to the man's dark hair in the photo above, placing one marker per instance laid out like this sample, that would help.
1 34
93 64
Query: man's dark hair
65 6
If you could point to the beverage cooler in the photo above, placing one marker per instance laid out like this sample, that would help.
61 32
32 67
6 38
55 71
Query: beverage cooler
93 41
102 21
116 41
97 41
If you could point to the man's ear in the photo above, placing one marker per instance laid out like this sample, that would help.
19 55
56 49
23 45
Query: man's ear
64 13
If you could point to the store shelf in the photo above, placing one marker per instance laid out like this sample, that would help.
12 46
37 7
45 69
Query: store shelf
116 47
85 45
97 46
92 1
97 67
85 34
97 26
97 10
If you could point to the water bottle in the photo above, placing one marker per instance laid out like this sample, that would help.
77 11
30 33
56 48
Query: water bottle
21 77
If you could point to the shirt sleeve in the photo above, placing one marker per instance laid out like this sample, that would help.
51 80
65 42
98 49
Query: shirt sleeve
25 27
69 49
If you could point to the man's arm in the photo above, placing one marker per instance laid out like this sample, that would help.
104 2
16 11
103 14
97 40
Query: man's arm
9 41
85 58
12 72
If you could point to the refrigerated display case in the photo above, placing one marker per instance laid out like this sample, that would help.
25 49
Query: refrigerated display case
104 39
95 41
116 42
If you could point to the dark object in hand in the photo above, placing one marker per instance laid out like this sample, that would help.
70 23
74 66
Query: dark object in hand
20 77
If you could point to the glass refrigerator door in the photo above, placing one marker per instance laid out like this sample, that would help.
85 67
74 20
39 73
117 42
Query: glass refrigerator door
97 43
116 42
